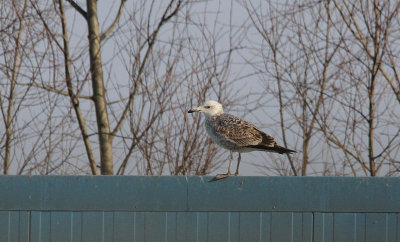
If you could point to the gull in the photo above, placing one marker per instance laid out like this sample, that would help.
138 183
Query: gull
235 134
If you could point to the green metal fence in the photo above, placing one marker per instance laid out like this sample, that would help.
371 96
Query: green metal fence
134 208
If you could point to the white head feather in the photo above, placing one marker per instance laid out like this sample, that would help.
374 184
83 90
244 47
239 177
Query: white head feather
210 108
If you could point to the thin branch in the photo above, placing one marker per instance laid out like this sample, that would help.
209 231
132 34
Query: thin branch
360 37
138 80
389 145
46 26
54 90
78 8
115 22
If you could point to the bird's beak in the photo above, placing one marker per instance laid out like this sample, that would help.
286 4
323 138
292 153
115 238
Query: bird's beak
194 110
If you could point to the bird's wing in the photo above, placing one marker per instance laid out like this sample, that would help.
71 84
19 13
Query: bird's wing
241 132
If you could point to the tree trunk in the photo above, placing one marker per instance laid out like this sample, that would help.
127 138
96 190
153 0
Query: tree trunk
106 152
10 108
371 93
74 99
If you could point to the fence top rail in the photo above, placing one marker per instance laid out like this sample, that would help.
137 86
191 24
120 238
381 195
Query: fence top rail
195 193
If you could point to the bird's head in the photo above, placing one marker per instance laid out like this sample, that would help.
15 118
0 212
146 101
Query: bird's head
210 108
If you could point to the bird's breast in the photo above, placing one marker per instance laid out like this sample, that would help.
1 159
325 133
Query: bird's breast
219 137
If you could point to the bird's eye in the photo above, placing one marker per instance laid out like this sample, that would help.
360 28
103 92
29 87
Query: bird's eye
207 106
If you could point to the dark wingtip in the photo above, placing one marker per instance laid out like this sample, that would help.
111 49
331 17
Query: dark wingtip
288 151
277 149
284 150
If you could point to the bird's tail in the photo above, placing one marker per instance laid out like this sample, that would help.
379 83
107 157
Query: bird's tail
276 148
283 150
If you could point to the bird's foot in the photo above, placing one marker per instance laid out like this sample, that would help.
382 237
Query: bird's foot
220 176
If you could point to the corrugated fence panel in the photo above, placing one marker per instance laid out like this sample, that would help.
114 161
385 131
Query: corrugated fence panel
198 226
92 226
187 226
218 226
156 226
5 224
372 227
291 226
171 226
249 226
192 209
381 226
14 226
122 224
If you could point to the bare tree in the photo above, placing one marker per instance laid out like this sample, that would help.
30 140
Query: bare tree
31 138
297 55
195 68
327 59
104 132
84 91
128 111
370 26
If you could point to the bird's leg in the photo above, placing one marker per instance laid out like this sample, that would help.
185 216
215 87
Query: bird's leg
237 167
230 164
222 176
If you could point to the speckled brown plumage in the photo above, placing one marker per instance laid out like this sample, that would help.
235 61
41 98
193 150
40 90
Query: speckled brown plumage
239 135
